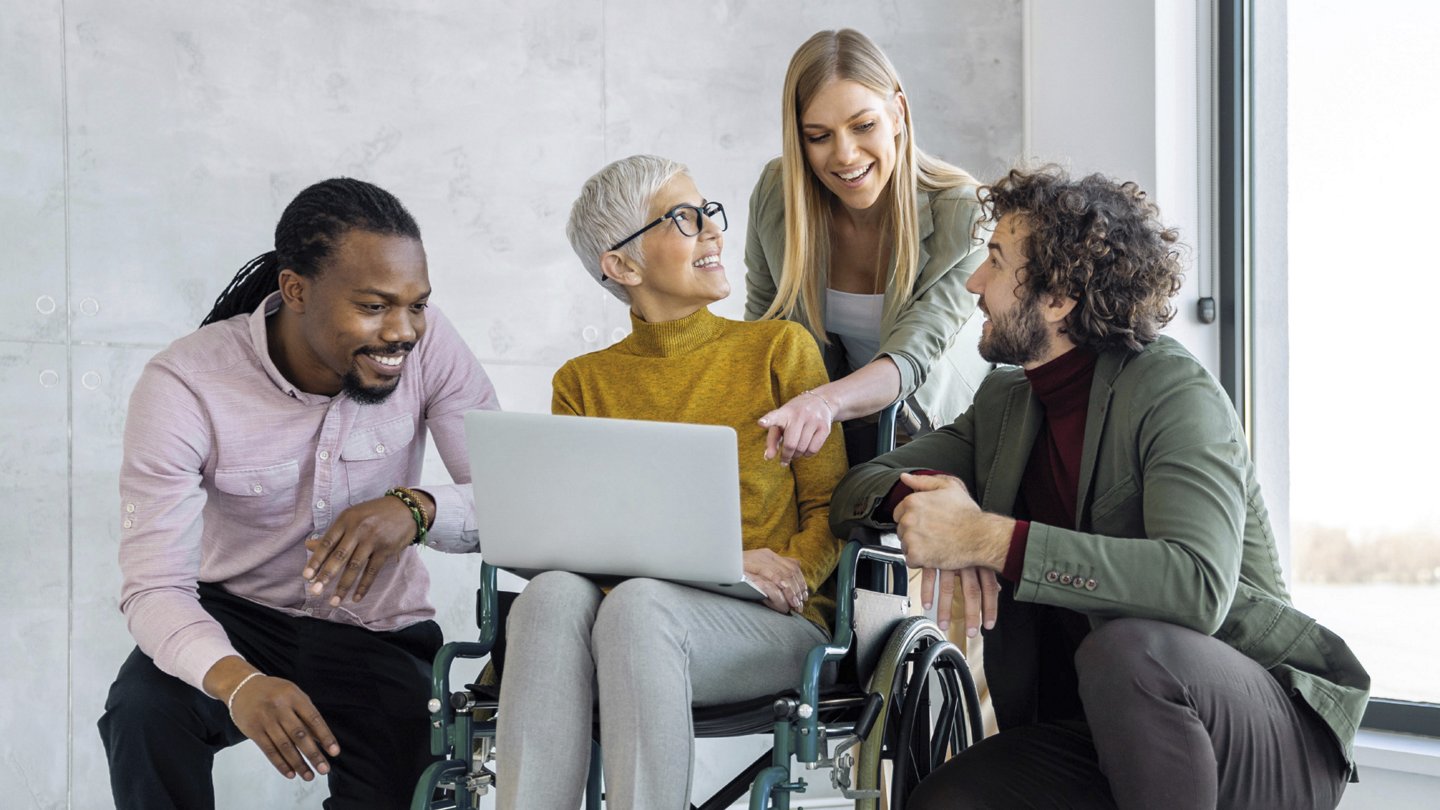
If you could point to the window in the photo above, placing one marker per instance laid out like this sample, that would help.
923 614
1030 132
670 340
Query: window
1363 197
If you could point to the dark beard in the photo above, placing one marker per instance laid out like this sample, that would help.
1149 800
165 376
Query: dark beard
372 394
1017 338
363 394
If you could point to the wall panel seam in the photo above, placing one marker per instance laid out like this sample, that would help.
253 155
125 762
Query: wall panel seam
69 423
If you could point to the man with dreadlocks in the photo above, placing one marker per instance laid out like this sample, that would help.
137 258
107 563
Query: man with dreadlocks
270 500
1140 645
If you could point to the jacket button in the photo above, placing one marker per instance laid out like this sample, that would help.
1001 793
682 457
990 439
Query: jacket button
1090 584
1051 576
1065 579
1079 582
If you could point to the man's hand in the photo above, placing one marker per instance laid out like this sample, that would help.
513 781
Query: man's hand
797 428
944 531
286 725
276 715
980 588
779 578
362 541
936 522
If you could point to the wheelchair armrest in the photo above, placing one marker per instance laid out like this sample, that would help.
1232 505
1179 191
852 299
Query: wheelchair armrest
852 556
848 580
486 609
873 548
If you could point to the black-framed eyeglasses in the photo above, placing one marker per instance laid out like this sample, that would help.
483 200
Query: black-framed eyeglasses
688 219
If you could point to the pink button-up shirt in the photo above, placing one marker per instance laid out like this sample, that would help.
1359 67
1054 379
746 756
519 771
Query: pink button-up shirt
229 467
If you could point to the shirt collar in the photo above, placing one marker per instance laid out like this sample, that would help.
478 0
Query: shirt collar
260 342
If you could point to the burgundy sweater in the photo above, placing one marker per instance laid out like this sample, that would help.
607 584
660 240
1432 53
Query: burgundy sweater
1048 494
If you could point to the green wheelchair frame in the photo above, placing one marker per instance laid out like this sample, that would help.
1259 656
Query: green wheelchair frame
883 712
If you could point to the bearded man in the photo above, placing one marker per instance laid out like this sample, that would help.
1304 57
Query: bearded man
1100 508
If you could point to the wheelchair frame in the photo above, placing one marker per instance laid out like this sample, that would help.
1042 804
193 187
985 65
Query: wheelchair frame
888 718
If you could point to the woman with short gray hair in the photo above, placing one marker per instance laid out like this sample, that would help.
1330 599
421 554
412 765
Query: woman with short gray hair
648 650
610 207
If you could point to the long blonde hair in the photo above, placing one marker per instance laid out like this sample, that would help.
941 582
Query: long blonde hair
846 55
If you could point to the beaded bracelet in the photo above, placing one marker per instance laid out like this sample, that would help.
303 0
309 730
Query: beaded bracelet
419 504
417 511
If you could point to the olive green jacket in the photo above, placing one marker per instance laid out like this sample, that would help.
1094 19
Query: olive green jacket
940 367
1171 522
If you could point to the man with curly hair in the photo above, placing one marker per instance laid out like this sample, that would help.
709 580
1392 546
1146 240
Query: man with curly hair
1100 507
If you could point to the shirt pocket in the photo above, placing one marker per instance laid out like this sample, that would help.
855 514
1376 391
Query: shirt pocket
377 457
263 497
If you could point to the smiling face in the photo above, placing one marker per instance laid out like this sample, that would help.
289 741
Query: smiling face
680 273
850 134
356 321
1015 330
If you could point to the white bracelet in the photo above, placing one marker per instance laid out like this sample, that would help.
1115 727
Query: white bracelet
833 410
230 704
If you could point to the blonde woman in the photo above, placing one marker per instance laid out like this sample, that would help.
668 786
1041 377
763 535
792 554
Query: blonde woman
867 241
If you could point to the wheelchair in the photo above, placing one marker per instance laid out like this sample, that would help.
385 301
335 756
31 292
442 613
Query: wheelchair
889 693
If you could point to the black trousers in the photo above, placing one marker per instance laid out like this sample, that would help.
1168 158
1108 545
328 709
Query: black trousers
1173 719
161 734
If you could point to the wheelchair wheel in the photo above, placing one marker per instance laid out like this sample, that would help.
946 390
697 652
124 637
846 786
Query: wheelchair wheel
911 732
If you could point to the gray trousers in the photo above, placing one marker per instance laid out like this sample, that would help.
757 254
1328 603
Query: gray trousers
1174 719
649 650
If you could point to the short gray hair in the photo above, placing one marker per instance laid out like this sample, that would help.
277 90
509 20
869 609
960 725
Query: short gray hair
613 204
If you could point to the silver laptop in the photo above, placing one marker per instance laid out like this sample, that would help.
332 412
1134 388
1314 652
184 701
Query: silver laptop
609 498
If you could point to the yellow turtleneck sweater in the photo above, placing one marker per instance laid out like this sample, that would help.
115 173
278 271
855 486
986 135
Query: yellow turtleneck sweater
704 369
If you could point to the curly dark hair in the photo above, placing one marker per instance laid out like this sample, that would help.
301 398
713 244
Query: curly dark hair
1098 242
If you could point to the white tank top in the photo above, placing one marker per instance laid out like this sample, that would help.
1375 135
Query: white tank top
856 319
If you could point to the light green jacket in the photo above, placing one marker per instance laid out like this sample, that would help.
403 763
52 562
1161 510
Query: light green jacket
940 367
1171 522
